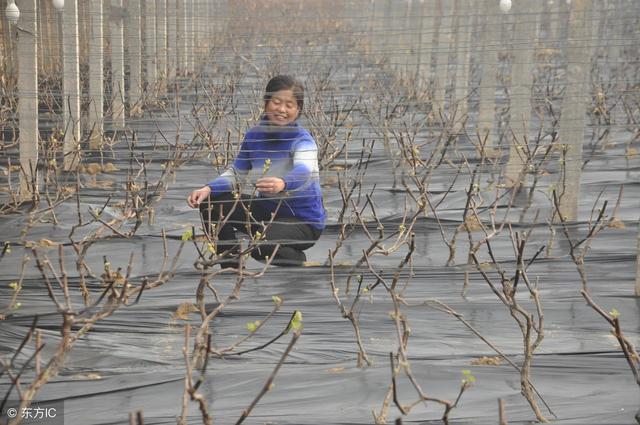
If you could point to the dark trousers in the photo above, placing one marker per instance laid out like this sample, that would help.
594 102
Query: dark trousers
247 215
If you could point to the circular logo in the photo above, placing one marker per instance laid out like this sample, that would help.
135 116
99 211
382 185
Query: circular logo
12 413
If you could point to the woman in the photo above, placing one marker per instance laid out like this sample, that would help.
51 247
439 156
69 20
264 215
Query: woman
279 158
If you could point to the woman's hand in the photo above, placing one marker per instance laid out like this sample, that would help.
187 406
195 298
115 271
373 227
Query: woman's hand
270 185
197 196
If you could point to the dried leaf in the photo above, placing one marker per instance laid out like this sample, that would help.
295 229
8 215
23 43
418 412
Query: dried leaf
92 168
616 223
68 190
136 111
486 265
105 184
87 376
491 153
473 223
46 243
487 361
112 276
330 181
183 310
109 168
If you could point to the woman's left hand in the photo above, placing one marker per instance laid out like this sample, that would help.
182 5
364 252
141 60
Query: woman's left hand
270 185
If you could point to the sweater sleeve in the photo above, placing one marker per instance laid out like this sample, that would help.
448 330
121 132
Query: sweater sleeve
226 181
305 163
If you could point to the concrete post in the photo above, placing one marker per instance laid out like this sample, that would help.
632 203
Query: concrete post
150 45
436 20
161 40
424 25
181 28
71 85
387 43
134 48
370 25
490 44
407 39
197 33
172 39
524 43
4 45
463 31
637 291
572 121
211 29
96 75
43 58
444 35
559 21
191 36
28 98
117 64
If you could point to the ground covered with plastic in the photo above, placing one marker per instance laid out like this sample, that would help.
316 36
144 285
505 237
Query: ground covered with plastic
133 360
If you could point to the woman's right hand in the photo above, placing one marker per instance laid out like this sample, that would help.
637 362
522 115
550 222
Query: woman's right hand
197 196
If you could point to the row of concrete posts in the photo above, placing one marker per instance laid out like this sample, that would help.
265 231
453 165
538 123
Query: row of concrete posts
163 40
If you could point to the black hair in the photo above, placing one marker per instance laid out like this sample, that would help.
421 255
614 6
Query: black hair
285 82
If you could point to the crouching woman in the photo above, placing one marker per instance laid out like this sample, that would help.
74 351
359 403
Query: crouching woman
278 157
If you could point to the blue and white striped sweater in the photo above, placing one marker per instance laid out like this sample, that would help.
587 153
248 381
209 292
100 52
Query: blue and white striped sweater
289 153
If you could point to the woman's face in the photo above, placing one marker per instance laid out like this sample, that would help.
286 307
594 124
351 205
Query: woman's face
282 108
